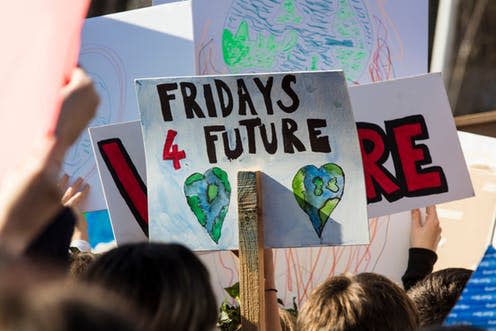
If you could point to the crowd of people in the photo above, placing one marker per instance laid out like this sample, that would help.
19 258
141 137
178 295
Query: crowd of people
45 285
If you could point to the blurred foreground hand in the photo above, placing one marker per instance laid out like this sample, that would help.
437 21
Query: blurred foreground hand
30 197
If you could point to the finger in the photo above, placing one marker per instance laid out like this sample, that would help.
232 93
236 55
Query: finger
63 182
71 190
78 79
416 218
67 195
77 184
431 214
76 199
85 190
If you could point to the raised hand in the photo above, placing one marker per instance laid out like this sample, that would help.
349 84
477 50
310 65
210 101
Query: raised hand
425 233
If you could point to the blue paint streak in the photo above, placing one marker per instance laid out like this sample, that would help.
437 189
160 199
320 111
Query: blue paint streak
99 227
334 42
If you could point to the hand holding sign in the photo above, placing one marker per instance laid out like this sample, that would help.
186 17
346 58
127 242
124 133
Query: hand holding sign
425 233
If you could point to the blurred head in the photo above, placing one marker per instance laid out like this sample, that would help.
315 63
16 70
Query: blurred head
365 302
62 307
436 294
166 283
80 262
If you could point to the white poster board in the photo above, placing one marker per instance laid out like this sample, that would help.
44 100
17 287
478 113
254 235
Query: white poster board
410 148
370 40
116 49
120 158
297 128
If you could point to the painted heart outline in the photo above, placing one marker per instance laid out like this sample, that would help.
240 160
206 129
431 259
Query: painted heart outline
318 191
208 195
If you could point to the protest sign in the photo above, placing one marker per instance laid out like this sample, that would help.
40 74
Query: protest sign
297 128
477 303
120 158
117 48
299 270
411 153
40 41
369 40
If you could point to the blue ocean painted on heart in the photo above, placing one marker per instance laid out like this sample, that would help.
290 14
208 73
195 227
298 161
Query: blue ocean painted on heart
208 197
318 191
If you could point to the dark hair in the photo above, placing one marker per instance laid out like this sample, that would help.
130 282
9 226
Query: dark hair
436 294
63 307
167 283
365 302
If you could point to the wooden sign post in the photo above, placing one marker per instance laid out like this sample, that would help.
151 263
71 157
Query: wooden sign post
251 252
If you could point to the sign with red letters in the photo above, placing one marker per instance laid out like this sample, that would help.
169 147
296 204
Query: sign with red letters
410 149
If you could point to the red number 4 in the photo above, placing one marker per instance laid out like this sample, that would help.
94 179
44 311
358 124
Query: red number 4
171 151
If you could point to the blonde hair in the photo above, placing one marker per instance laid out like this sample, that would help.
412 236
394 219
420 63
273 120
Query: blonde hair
288 320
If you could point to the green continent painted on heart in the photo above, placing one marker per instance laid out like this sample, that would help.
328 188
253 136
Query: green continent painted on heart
318 191
208 195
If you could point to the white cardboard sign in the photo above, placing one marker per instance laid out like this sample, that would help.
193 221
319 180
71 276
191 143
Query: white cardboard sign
410 148
120 158
297 128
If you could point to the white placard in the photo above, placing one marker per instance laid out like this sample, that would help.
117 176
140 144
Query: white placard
120 158
116 49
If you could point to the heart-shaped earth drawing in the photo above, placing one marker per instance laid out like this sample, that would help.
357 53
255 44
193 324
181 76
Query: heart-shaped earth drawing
208 197
318 191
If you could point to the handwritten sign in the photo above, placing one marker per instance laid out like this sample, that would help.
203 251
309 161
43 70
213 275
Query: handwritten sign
297 128
411 153
120 158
